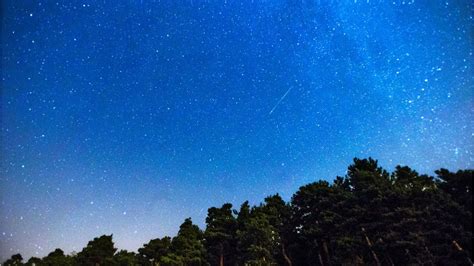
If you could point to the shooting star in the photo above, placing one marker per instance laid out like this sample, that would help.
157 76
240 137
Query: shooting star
281 99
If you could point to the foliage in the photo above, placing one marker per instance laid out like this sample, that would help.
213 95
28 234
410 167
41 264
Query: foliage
155 250
98 251
124 258
14 260
187 247
220 235
369 216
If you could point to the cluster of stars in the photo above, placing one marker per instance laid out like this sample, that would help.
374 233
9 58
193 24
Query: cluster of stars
126 118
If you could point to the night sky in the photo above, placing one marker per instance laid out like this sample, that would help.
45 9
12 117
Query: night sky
126 117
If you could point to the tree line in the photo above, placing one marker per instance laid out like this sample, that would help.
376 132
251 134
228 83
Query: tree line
367 217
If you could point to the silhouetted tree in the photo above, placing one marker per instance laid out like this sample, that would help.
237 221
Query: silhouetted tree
257 239
16 259
125 258
458 185
154 251
99 251
34 261
187 247
220 236
57 257
367 217
279 214
318 213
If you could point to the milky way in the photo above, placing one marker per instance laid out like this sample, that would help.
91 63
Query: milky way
126 117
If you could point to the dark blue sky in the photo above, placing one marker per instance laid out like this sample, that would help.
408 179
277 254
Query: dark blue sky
125 117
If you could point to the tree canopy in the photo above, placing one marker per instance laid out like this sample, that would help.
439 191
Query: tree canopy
369 216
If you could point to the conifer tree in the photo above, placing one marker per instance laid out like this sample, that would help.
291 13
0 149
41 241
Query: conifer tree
220 236
367 217
187 247
256 239
99 251
154 250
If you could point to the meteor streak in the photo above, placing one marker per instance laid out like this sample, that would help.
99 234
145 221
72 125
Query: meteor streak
281 99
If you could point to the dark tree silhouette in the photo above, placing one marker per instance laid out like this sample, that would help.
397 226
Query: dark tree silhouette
16 259
124 258
367 217
220 236
458 185
98 251
187 247
154 251
57 257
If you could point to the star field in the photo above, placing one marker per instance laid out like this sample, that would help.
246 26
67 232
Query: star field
126 117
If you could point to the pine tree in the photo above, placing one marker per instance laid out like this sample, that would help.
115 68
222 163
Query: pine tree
366 217
458 185
318 211
257 239
57 257
154 250
125 258
14 260
278 213
220 236
187 247
99 251
34 261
